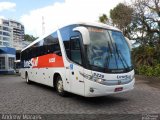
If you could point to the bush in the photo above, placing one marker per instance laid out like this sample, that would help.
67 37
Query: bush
148 70
146 60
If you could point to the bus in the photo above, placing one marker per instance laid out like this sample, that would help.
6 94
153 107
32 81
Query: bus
17 66
88 59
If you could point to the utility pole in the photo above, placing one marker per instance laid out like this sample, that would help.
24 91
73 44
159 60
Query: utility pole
43 26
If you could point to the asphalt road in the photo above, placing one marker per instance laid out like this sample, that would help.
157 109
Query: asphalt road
17 97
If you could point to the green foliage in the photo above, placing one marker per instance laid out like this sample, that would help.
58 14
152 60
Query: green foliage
146 22
145 55
103 18
140 21
121 17
146 60
149 70
29 37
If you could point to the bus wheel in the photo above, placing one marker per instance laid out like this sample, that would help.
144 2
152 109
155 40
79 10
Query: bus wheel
27 79
59 86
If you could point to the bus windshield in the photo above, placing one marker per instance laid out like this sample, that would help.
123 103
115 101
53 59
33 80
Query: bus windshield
108 49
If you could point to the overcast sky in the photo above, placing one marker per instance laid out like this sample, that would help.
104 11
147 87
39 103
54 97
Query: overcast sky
56 13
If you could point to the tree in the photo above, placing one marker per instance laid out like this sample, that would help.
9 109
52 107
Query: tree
121 17
29 37
145 55
103 19
146 21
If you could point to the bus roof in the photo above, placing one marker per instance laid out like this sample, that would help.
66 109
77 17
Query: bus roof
95 24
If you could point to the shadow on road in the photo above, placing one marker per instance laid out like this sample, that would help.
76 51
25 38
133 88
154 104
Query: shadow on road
96 101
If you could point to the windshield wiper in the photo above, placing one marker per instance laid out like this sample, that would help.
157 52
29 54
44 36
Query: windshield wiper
121 57
114 54
109 54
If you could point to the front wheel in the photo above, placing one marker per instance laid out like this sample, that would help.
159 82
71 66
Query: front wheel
59 86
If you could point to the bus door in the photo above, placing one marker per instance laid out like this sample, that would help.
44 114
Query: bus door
75 67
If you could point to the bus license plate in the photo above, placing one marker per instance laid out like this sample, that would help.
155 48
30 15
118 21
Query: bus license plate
118 89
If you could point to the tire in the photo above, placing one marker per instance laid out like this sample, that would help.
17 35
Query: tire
27 79
59 87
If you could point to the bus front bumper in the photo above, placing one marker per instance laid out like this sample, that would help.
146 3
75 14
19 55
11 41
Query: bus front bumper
93 89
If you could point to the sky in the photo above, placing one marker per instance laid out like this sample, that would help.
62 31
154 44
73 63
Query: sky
54 13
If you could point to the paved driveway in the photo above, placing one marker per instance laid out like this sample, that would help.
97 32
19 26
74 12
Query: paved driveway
18 97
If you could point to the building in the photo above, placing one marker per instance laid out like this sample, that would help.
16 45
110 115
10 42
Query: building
7 58
6 33
18 34
11 37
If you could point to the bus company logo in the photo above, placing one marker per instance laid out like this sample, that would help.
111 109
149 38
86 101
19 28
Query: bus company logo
51 60
27 63
123 76
34 62
31 63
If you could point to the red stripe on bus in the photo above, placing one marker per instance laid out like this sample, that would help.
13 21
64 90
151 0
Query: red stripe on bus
49 60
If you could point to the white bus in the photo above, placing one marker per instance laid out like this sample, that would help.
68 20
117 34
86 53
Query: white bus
17 66
83 58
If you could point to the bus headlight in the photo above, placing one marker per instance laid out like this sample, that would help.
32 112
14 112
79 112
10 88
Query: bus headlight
99 80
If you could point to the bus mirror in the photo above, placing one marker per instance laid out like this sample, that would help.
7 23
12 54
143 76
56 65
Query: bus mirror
129 43
85 34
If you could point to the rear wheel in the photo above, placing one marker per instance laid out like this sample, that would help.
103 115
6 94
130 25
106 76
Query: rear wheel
59 86
27 79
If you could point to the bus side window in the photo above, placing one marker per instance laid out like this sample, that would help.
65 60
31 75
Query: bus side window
67 47
75 50
51 44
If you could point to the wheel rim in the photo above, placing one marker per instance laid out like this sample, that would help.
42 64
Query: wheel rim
60 86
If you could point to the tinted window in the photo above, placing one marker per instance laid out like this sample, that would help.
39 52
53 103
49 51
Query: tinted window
6 28
66 34
2 62
50 44
75 50
11 62
6 34
71 42
6 38
6 44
